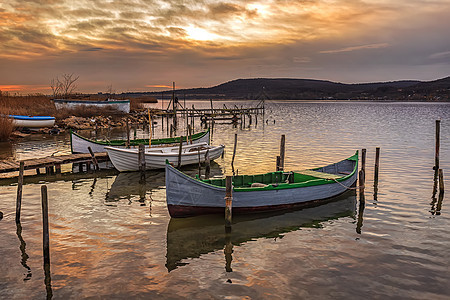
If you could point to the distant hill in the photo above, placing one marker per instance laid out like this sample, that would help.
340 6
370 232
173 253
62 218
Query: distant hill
308 89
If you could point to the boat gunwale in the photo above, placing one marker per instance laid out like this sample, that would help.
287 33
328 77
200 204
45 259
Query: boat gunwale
136 142
168 154
272 187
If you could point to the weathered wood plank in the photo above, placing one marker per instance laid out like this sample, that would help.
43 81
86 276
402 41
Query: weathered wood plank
11 166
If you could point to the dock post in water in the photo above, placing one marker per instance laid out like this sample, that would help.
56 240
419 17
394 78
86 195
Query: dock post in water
362 173
377 164
278 163
234 152
141 157
208 165
94 159
128 134
438 133
282 151
228 200
179 152
45 234
19 192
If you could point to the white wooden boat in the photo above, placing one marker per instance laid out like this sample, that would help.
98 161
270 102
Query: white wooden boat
120 105
155 157
187 196
80 144
32 121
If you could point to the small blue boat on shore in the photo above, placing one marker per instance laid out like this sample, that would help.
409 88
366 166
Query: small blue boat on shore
32 121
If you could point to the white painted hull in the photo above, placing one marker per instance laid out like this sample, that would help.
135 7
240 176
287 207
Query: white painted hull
120 105
155 158
80 144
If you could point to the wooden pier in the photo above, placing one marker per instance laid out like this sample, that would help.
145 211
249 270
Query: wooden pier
52 164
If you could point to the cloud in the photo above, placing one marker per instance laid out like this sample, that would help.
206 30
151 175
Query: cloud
131 42
357 48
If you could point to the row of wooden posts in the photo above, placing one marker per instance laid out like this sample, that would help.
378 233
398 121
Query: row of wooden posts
439 174
439 178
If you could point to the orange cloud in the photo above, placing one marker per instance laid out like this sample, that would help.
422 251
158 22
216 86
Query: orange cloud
158 86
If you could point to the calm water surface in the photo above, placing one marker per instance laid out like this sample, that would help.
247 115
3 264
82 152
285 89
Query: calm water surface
112 237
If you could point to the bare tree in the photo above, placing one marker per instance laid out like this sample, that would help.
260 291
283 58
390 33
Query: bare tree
65 86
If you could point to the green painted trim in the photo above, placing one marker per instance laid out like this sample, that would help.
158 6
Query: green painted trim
307 180
137 142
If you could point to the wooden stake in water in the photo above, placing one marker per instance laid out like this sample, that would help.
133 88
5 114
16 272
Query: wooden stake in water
19 191
282 151
377 164
234 152
150 128
94 159
228 199
208 164
128 134
436 156
179 152
45 234
362 173
141 157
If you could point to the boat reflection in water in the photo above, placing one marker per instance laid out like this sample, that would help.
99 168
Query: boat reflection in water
192 237
132 184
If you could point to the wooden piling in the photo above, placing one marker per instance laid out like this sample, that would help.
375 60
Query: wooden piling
234 151
45 234
199 163
141 158
278 163
128 134
19 192
208 164
94 159
179 152
436 156
282 151
377 164
441 181
363 160
228 200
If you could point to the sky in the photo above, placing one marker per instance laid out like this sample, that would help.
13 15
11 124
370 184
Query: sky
145 45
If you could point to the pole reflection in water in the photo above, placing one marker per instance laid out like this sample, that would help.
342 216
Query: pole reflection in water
195 236
228 250
24 255
48 280
436 203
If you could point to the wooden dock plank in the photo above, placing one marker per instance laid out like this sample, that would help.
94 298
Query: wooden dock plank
11 166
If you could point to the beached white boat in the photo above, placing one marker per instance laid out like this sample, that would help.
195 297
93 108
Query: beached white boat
120 105
80 144
32 121
188 196
155 157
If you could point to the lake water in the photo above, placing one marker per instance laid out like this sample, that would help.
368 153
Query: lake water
112 237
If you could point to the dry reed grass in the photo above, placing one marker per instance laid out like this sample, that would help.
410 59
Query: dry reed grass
41 105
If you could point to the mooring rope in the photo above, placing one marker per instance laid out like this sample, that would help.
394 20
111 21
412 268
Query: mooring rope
347 187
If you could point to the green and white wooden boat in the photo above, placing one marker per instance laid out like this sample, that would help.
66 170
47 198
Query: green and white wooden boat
80 144
187 196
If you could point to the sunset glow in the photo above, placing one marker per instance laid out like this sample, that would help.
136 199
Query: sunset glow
170 41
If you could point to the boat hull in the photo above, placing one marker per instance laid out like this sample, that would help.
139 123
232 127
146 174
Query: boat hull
33 122
120 105
187 196
80 144
125 160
